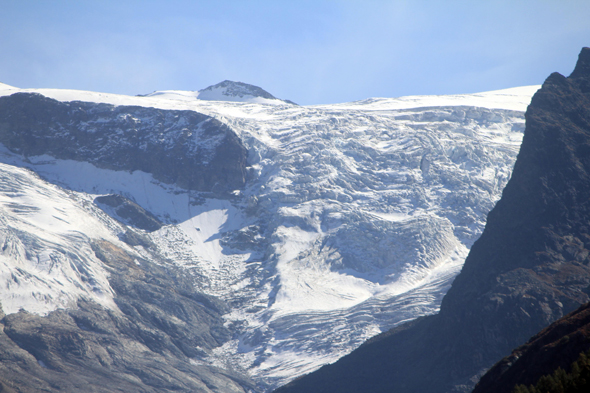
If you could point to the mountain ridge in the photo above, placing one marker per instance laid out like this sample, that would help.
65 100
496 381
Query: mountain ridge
126 138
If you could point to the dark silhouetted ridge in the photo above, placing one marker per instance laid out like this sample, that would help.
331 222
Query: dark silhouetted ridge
556 346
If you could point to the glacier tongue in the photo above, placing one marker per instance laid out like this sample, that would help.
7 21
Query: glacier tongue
355 217
368 215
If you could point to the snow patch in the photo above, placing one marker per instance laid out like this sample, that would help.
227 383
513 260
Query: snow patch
516 98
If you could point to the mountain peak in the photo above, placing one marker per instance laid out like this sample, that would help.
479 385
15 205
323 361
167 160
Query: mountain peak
236 90
583 65
224 91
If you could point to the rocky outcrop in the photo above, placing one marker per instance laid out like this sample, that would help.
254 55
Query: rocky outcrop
529 268
128 212
192 150
157 340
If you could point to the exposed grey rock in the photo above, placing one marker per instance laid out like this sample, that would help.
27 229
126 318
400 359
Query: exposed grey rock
157 341
234 90
247 238
239 89
128 212
187 148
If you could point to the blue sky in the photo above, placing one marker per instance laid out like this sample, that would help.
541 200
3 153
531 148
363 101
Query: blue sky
311 52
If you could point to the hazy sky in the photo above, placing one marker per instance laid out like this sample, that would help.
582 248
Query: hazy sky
307 51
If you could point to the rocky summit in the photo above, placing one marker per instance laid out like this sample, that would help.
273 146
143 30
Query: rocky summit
529 267
237 89
240 92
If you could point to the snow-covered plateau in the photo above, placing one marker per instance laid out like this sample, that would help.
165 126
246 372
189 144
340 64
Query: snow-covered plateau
355 217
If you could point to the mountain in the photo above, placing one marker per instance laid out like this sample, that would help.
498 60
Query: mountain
289 235
236 91
225 91
529 267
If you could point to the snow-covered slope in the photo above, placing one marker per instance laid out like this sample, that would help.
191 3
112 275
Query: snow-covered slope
46 259
355 217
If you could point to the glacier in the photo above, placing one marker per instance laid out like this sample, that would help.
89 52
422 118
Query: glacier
355 218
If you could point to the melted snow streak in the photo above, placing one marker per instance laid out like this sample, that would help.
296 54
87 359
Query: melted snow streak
356 217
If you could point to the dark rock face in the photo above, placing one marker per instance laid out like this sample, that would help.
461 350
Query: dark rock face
128 212
150 345
190 149
529 268
558 345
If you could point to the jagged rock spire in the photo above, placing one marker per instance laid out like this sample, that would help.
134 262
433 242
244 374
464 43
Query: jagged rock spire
583 66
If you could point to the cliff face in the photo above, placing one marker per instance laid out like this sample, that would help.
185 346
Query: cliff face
187 148
529 268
